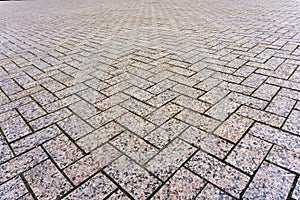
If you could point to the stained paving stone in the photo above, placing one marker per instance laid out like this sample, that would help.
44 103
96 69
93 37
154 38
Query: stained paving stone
215 171
98 187
170 158
165 133
63 151
183 185
213 193
270 182
90 164
134 147
132 178
206 141
46 181
292 123
151 83
249 153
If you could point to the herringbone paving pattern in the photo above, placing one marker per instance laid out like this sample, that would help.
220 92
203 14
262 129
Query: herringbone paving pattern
149 99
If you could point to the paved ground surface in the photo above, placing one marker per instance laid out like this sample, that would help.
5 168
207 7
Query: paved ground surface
137 99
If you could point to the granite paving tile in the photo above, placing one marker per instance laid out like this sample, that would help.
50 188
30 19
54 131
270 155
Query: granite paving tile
62 150
214 95
296 193
135 180
13 189
90 164
164 113
83 109
98 187
138 107
46 181
170 158
44 97
31 111
183 185
213 193
134 147
208 84
14 128
292 123
111 101
165 133
188 91
281 106
266 91
270 182
99 136
118 195
249 153
5 151
191 103
162 98
285 158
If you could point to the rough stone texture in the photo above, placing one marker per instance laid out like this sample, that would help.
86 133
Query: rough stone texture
173 99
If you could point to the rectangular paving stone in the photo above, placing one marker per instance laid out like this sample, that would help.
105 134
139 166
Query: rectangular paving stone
222 109
223 176
136 124
261 116
214 95
63 151
183 185
50 119
206 142
213 193
292 123
236 88
132 177
281 105
118 195
14 128
163 113
296 193
244 71
75 127
21 163
285 158
59 104
35 139
106 116
254 80
161 86
188 91
162 98
208 84
137 107
165 133
249 153
276 136
169 159
31 111
228 77
191 103
90 164
196 119
70 90
270 182
44 97
283 83
138 93
266 91
13 189
98 187
248 100
83 109
46 181
293 94
99 136
5 152
134 147
111 101
90 95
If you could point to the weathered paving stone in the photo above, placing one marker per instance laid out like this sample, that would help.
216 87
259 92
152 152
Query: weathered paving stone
164 113
191 103
88 165
98 187
213 193
183 185
281 106
170 158
5 152
224 176
99 136
270 182
62 150
249 153
111 101
46 181
266 91
134 147
162 98
165 133
292 123
206 141
13 189
214 95
31 111
132 177
296 193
